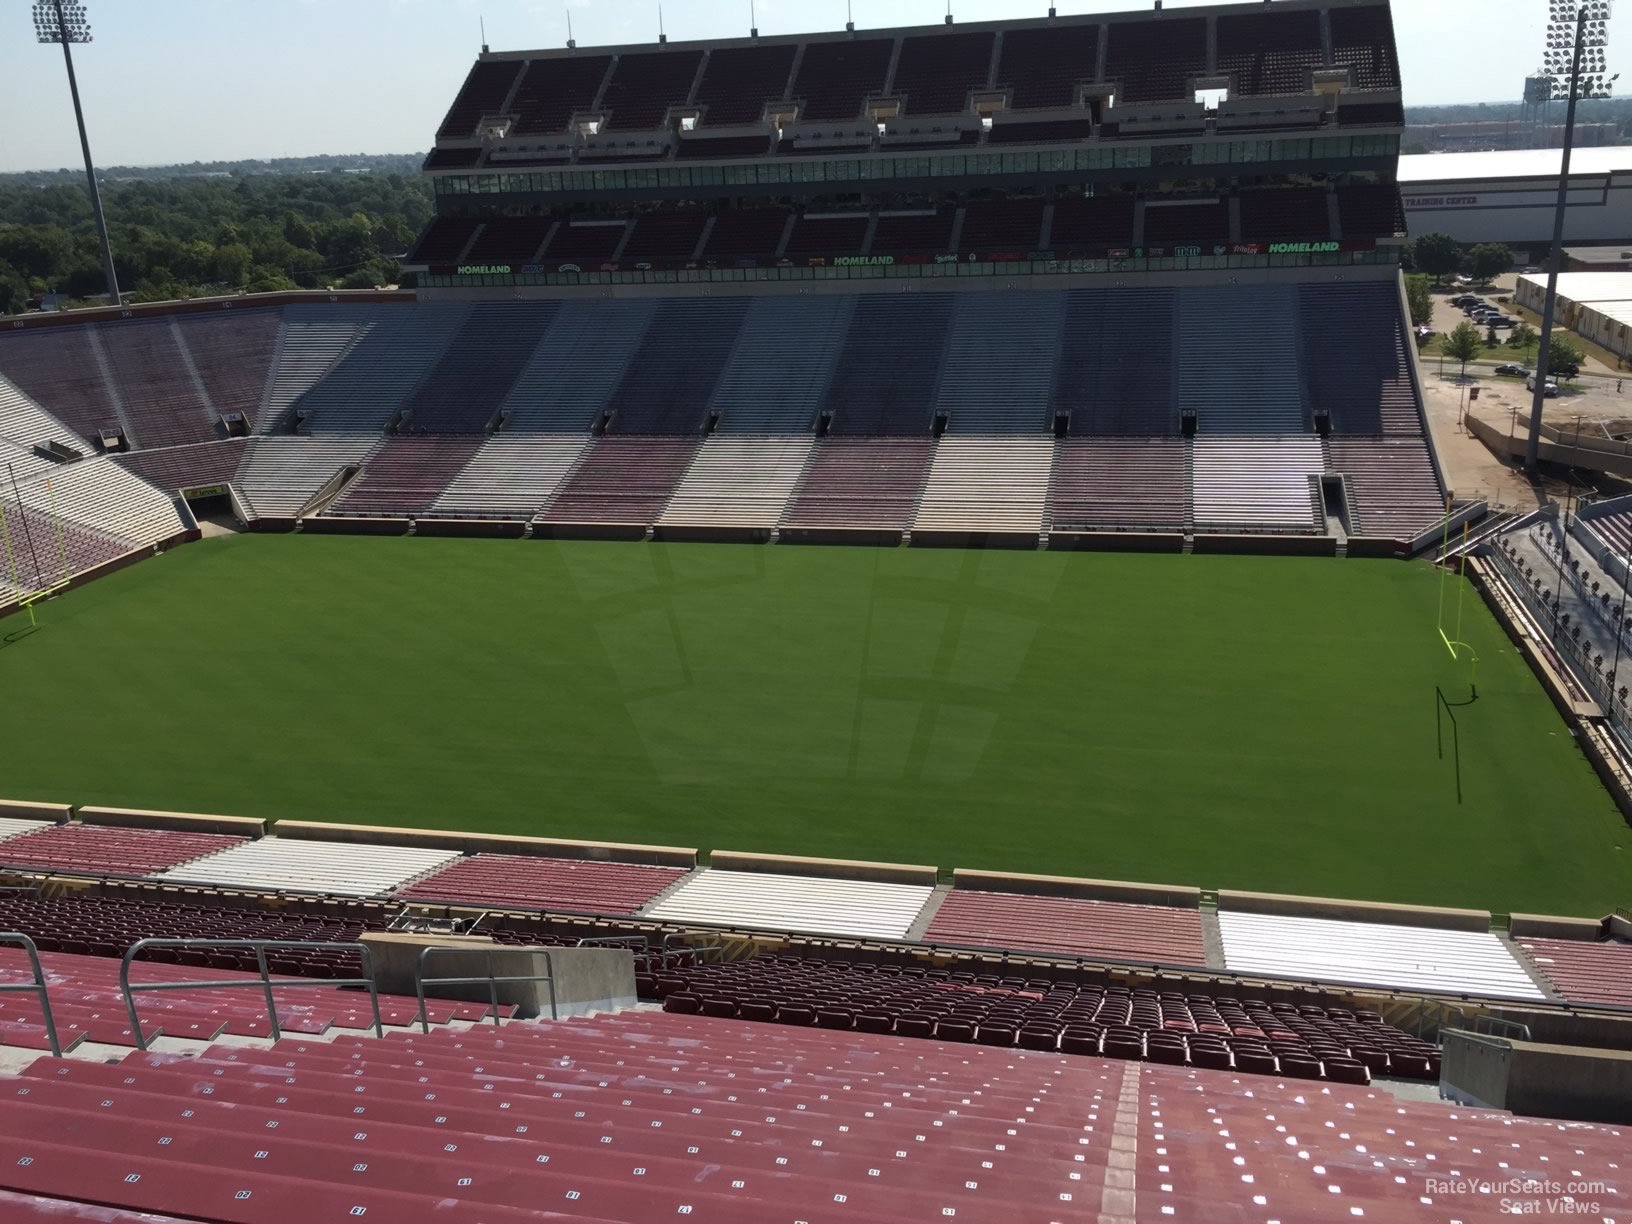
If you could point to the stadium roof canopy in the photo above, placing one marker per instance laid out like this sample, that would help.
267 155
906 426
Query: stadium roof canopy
1512 164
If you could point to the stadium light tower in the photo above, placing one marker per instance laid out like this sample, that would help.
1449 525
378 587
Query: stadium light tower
57 22
1587 79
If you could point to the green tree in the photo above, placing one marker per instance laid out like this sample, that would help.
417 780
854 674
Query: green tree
232 264
1563 354
268 280
1463 345
36 250
1437 254
13 291
1490 337
1488 260
1419 296
1521 337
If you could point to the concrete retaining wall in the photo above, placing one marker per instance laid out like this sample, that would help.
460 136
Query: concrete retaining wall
1067 886
138 818
1116 541
1550 926
1269 545
1375 546
586 979
698 533
356 526
19 809
490 843
1537 1079
878 537
841 869
1021 540
502 529
589 531
1355 911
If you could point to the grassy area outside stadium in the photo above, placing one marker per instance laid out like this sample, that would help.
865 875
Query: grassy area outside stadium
1228 722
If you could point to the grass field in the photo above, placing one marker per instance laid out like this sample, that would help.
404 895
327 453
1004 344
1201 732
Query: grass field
1230 722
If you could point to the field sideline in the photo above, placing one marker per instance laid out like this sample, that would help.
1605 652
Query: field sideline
1229 722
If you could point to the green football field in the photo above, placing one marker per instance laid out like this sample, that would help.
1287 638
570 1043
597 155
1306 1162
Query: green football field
1228 722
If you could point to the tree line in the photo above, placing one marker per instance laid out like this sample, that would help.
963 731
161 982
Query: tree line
191 237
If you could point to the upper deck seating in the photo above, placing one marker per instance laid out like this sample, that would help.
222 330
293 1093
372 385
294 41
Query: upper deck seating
935 73
1092 222
1371 210
553 90
1155 60
913 233
586 242
745 233
509 239
483 93
1198 222
835 76
644 85
1043 68
671 236
187 467
1285 214
1363 42
827 236
1269 52
1002 225
739 81
444 240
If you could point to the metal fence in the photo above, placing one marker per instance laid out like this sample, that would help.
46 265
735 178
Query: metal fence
490 979
263 978
36 987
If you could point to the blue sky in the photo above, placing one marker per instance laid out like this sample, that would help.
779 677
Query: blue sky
201 80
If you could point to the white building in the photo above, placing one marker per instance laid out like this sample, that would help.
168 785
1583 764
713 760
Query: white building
1509 197
1596 305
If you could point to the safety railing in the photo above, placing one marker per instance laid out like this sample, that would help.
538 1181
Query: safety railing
490 979
675 943
263 977
1497 1026
36 987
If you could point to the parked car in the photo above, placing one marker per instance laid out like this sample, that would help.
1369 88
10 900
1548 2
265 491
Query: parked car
1515 371
1570 371
1549 389
1501 321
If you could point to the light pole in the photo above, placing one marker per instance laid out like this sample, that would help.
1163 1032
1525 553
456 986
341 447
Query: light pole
1591 18
57 22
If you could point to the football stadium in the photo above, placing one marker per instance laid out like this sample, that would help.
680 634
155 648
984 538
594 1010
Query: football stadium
882 637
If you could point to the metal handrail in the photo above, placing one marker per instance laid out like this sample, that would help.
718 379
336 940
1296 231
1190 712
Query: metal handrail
674 945
1498 1026
492 981
37 987
264 978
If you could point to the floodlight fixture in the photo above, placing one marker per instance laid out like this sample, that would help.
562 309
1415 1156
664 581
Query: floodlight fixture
59 21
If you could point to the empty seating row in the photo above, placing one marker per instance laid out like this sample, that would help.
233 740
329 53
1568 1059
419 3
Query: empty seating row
105 849
1075 926
295 865
622 480
1257 482
861 483
1583 971
25 424
544 883
765 900
511 476
1373 953
97 495
739 481
280 475
46 550
1396 492
187 467
986 484
1120 483
1220 1033
406 475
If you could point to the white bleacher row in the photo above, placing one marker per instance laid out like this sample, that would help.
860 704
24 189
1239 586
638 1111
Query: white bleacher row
511 476
739 481
296 865
26 424
280 475
813 904
1374 953
1255 481
11 826
986 484
309 348
95 493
